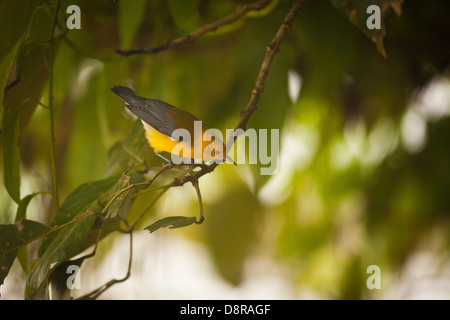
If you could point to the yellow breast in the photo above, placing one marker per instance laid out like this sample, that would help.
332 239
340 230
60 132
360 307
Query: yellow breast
160 143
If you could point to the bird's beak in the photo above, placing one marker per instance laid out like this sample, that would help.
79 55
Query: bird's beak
231 160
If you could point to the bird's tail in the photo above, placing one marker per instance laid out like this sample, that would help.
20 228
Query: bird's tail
128 95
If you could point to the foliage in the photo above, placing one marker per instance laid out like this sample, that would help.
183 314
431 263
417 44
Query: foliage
353 187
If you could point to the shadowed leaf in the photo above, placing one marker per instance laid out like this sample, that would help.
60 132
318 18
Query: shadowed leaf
63 247
15 236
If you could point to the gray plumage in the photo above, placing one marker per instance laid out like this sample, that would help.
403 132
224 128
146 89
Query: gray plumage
154 112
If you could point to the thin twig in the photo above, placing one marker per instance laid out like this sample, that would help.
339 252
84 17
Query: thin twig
193 36
144 184
97 292
200 202
141 192
141 215
100 230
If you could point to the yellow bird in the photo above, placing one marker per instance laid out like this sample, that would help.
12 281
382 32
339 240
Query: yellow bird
160 121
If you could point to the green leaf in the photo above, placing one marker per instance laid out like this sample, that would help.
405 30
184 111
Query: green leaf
127 150
41 27
21 212
41 293
19 104
115 205
15 236
5 67
15 19
171 223
22 255
356 12
131 15
15 23
11 157
83 197
64 244
62 248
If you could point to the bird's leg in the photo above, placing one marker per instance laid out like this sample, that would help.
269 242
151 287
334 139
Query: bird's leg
169 162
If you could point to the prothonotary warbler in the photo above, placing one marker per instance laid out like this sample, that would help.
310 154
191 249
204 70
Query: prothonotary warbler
161 119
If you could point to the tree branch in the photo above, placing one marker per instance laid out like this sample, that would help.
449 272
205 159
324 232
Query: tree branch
193 176
252 105
193 36
272 49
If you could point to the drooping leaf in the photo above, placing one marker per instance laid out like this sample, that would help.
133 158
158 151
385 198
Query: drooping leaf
19 105
77 202
5 67
15 18
11 157
19 101
171 223
15 236
356 12
82 197
21 212
33 61
64 244
118 208
62 248
22 255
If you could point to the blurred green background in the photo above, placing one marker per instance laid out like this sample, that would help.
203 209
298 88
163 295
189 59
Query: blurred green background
364 171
